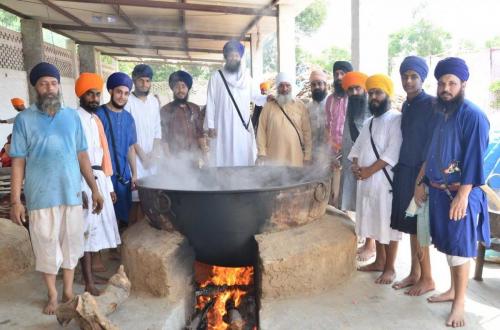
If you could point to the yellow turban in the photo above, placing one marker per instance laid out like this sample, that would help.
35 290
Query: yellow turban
354 78
381 81
265 85
88 81
17 102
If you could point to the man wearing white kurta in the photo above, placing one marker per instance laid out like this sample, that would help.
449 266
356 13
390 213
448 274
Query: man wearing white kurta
232 140
145 108
374 175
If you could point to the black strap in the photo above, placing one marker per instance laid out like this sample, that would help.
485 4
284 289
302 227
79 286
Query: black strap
378 156
97 167
113 143
293 124
234 102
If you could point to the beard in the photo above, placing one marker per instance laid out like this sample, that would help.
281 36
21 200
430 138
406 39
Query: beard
49 103
337 87
89 106
284 99
180 100
357 106
232 66
379 110
116 105
318 95
140 93
453 104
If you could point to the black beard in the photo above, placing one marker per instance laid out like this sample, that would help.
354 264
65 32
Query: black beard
379 110
139 93
49 103
89 107
232 67
357 106
179 100
116 105
337 87
452 105
318 95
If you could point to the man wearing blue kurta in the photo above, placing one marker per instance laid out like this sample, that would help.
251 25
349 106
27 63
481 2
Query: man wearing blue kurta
120 131
49 152
454 170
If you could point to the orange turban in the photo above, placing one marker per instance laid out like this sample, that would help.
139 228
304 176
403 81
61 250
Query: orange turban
354 78
265 85
381 81
88 81
17 102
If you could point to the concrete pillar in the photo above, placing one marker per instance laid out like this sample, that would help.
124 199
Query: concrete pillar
286 39
71 46
370 36
257 56
33 50
89 59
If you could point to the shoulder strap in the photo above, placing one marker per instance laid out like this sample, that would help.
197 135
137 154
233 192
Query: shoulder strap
293 124
113 141
378 155
234 102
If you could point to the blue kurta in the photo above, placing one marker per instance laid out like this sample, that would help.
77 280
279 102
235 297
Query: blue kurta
457 147
417 124
124 134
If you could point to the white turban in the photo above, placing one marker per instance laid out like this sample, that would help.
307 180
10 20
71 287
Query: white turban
285 77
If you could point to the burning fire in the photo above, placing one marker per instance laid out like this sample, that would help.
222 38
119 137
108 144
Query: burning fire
228 279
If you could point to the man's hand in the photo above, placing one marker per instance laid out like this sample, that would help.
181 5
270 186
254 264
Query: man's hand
113 197
270 98
355 170
420 195
17 213
458 207
364 173
133 183
85 200
97 202
212 133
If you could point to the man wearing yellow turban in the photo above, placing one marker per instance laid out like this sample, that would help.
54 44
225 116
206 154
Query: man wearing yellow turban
374 154
101 230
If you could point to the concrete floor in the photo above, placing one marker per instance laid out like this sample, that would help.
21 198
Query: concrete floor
358 304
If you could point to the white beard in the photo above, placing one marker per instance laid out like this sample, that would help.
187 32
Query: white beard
284 99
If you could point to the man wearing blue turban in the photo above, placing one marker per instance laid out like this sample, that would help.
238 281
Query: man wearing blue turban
230 93
416 128
454 172
119 126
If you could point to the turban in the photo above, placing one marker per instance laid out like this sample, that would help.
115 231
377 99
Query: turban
44 69
233 46
318 75
17 102
119 79
142 70
266 85
380 81
452 65
416 64
342 65
354 78
284 77
88 81
180 76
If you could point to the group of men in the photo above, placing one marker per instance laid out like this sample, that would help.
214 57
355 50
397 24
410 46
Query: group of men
429 155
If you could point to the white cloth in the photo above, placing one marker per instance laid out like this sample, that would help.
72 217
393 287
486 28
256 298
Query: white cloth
234 145
101 230
454 261
57 237
373 199
317 117
423 226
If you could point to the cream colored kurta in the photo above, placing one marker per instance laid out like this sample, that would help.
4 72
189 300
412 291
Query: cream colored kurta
277 139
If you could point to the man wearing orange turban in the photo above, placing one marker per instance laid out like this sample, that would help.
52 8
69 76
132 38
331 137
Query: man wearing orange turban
18 104
101 230
257 110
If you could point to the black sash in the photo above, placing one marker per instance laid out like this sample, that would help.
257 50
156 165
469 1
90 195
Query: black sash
234 102
378 157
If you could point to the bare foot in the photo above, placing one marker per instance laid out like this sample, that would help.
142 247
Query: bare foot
456 317
67 297
373 267
421 287
442 297
406 282
92 290
365 253
387 277
51 306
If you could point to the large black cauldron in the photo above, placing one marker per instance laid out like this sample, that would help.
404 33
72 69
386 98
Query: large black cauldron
231 205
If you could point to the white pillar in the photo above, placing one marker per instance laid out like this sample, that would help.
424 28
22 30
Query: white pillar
286 39
257 56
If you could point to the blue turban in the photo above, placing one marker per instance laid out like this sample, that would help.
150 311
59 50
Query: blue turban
44 69
342 65
233 46
142 70
416 64
180 76
119 79
452 65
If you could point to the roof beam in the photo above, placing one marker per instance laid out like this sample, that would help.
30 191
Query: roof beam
172 58
182 21
180 49
258 17
89 28
12 11
185 6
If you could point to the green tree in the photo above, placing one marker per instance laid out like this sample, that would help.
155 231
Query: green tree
10 21
493 42
311 18
270 54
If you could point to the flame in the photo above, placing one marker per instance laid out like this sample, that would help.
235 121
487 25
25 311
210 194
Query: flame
220 276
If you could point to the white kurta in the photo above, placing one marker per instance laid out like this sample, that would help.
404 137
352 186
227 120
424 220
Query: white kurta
148 127
234 145
373 199
101 230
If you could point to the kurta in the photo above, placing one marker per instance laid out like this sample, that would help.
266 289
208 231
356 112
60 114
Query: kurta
335 109
101 230
317 117
348 183
234 145
373 196
278 140
416 127
124 135
458 145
